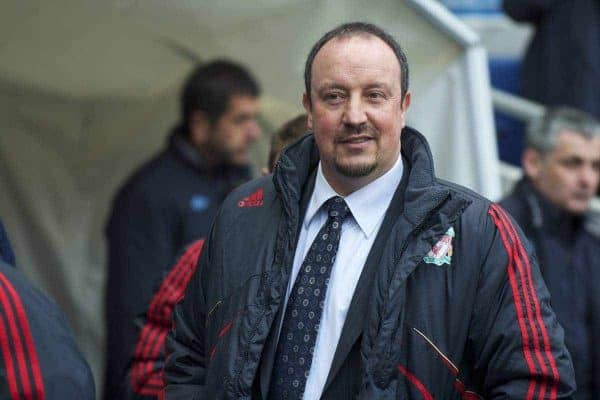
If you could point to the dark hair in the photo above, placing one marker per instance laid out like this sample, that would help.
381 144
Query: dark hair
355 29
290 131
210 87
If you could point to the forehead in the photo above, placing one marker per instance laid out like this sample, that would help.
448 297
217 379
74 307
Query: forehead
242 103
572 143
353 59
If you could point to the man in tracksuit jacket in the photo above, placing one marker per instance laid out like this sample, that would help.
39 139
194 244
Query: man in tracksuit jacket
449 303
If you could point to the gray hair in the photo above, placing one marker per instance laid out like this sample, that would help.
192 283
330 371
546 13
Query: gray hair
542 132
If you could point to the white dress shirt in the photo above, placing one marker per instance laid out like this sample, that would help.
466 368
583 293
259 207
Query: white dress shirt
368 206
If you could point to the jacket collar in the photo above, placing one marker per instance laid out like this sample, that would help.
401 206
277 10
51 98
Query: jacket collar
422 194
546 215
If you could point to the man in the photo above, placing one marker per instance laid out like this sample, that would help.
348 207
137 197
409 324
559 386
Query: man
412 288
562 62
144 373
38 355
561 164
172 200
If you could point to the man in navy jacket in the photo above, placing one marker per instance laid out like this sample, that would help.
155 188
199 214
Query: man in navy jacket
171 201
561 163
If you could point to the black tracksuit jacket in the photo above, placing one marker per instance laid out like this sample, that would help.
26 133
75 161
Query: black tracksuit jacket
478 326
39 359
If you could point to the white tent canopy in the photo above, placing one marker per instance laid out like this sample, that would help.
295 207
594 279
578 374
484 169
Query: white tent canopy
88 90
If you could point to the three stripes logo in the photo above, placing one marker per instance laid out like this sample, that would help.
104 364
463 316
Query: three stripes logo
254 200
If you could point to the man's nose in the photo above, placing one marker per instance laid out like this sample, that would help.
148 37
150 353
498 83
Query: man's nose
254 131
354 112
589 176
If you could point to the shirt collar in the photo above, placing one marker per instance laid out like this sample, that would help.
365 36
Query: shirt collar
368 204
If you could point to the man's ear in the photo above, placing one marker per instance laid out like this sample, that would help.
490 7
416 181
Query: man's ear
308 108
531 161
406 102
199 126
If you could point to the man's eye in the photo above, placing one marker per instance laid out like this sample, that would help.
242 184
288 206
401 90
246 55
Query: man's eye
377 96
333 97
572 163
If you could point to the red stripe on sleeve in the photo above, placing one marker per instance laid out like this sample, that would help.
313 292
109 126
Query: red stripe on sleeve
161 308
8 361
26 357
517 301
153 335
416 382
538 313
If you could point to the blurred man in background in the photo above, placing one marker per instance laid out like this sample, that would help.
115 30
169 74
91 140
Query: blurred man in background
143 380
288 133
171 201
562 62
561 164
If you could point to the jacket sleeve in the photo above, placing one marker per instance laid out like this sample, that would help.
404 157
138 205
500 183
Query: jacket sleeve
529 10
140 248
38 354
517 344
144 375
185 366
594 323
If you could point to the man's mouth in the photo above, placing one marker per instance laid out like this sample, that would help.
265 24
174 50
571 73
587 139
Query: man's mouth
356 139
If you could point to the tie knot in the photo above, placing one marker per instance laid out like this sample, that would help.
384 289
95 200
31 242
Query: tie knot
337 208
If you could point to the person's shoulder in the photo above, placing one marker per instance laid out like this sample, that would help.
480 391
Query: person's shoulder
592 226
36 303
477 219
473 198
158 169
253 195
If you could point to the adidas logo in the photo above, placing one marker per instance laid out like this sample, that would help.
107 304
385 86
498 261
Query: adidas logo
254 200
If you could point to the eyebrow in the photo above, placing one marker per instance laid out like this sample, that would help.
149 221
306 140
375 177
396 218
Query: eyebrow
376 85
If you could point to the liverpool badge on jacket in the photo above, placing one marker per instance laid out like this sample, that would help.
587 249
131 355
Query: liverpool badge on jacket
441 252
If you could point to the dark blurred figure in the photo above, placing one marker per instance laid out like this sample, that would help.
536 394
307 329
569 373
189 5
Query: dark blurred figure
171 200
289 132
143 380
562 63
561 164
6 252
39 358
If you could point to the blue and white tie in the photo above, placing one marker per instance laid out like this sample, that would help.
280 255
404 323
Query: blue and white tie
305 307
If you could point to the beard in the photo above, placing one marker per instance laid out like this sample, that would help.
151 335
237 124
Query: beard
356 170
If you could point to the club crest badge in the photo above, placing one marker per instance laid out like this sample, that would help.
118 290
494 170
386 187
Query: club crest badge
441 253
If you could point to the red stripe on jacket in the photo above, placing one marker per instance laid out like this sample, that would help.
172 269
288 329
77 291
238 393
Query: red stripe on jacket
538 313
23 350
519 262
416 382
152 337
517 301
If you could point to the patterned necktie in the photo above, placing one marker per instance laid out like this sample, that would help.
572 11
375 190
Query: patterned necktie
305 306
